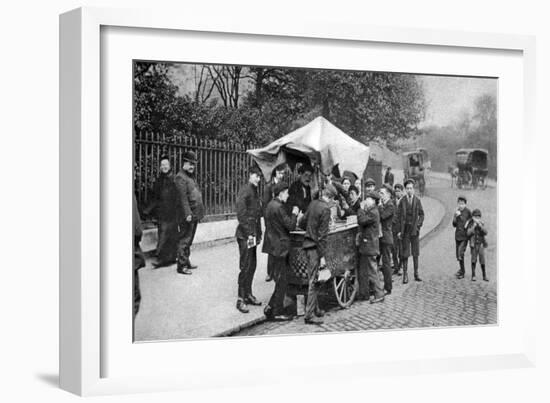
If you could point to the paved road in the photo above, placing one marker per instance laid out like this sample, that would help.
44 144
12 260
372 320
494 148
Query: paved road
439 300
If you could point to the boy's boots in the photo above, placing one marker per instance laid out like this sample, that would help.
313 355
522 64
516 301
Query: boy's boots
405 275
484 273
415 262
473 272
461 271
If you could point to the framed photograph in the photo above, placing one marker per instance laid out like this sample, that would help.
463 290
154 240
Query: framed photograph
319 198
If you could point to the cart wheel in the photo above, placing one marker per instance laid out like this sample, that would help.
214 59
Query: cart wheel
345 289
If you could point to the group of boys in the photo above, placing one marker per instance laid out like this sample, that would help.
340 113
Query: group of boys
389 225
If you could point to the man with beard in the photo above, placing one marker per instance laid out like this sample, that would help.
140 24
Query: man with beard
300 191
164 205
278 224
249 236
277 177
190 210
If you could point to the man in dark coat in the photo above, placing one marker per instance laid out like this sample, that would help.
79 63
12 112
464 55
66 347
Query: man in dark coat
139 259
396 250
386 208
300 191
368 219
277 177
164 204
249 235
388 177
461 217
190 211
316 222
411 218
278 224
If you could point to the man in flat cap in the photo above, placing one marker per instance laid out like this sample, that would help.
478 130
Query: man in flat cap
249 236
316 223
386 208
411 218
461 217
368 218
190 210
278 224
277 176
370 185
300 191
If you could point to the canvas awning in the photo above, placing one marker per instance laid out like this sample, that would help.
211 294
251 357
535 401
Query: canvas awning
323 143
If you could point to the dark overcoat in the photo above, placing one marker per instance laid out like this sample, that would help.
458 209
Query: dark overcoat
278 224
299 195
369 231
249 213
459 222
189 197
165 198
316 222
417 215
387 211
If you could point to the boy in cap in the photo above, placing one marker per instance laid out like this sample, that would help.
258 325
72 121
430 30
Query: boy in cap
370 185
277 177
368 219
249 235
460 219
411 218
316 223
476 233
386 208
278 224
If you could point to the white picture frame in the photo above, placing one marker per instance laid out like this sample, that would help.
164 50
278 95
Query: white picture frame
82 341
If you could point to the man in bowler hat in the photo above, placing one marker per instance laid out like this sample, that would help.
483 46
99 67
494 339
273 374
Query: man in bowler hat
249 235
190 210
411 218
278 224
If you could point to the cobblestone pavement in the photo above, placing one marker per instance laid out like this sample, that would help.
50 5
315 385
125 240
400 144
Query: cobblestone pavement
439 300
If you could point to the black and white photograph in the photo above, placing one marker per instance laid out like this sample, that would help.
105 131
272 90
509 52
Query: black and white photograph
271 200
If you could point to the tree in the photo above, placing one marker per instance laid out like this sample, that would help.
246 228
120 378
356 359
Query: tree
370 106
157 107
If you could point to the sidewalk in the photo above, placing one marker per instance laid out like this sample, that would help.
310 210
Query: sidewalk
202 305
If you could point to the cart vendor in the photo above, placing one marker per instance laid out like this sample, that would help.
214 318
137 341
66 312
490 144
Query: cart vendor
300 191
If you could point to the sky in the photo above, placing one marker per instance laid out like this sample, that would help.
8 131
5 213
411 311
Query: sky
449 98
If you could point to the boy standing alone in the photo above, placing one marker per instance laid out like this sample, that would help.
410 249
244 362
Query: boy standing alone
476 233
460 219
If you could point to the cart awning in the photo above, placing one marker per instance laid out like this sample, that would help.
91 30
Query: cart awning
323 143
